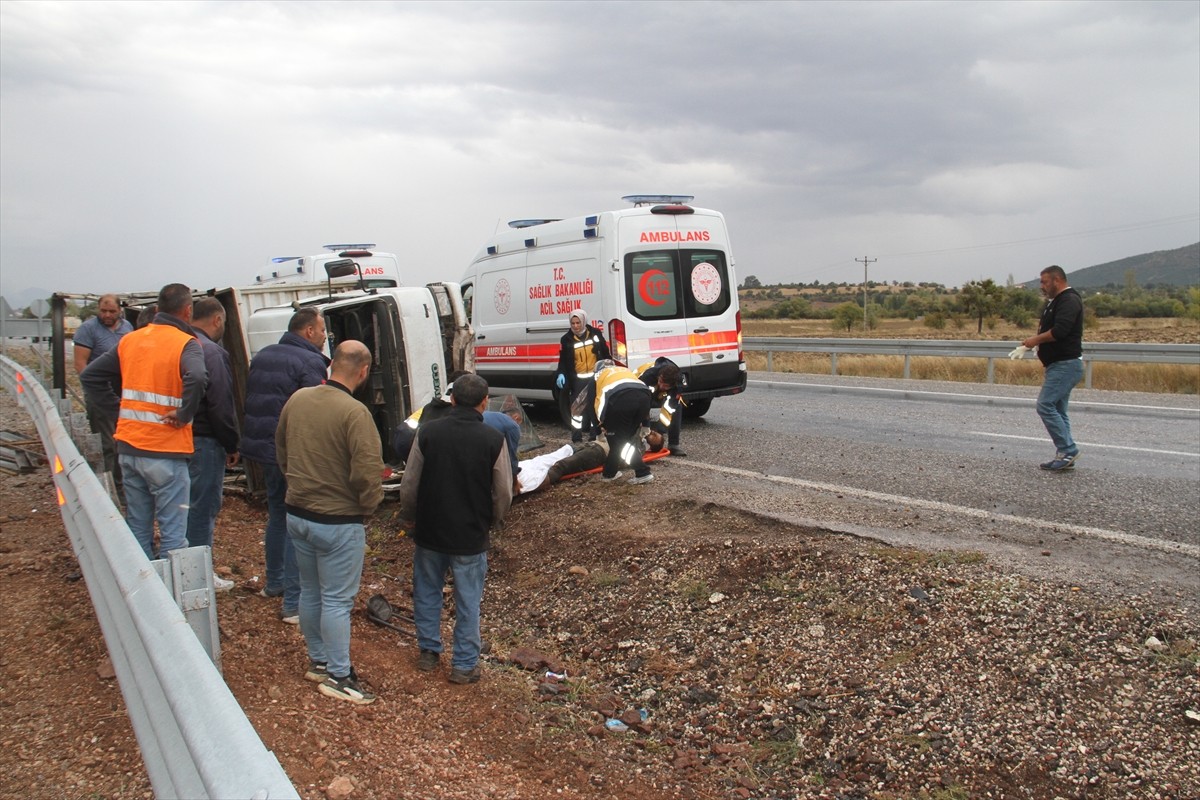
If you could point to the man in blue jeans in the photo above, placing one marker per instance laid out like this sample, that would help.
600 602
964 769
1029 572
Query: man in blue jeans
457 486
152 383
1059 343
276 373
327 447
214 430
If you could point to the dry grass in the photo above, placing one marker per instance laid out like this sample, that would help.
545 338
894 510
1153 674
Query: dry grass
1155 378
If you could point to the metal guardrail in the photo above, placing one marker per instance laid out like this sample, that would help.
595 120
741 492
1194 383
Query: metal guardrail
195 740
943 348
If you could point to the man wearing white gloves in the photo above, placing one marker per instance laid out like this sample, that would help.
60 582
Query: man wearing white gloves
1059 343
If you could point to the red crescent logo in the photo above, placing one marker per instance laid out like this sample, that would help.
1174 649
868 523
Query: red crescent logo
644 286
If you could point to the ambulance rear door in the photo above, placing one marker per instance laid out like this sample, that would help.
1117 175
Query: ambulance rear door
680 300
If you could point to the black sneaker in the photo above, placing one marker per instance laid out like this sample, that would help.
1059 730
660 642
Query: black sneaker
317 673
1061 463
427 661
465 675
347 688
676 451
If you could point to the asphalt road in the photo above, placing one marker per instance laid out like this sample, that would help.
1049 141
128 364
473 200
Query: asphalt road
956 465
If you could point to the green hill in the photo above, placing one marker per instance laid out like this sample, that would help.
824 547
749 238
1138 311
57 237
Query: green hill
1179 267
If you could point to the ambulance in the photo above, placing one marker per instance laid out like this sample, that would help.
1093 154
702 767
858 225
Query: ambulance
656 278
379 270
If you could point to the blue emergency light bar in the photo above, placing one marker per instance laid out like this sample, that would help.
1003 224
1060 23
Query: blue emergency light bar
643 199
336 247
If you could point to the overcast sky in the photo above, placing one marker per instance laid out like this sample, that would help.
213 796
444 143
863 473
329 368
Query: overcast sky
145 143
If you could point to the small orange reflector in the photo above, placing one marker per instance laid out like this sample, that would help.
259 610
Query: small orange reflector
57 465
62 501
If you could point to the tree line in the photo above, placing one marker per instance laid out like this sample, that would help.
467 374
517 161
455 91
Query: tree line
981 302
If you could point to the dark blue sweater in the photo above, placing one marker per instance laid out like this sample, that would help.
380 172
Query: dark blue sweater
275 374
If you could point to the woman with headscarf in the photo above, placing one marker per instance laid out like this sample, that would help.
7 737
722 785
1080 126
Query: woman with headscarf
580 348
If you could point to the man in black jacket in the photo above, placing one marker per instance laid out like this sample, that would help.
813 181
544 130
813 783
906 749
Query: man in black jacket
457 486
1059 343
214 430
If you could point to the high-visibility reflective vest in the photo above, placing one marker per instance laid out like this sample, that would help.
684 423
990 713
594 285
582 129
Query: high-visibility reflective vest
151 385
609 381
670 403
585 355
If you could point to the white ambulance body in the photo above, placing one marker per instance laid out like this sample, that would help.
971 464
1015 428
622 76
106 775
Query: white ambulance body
657 279
379 270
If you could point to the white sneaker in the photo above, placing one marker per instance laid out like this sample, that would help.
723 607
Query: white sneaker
644 479
606 479
222 585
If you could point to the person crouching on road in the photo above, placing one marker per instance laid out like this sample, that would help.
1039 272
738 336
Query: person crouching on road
580 348
325 433
622 406
457 486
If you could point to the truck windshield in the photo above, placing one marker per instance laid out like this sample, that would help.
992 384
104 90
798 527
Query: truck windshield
672 284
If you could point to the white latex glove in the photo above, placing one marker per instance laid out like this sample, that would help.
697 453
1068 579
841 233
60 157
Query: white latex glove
1018 351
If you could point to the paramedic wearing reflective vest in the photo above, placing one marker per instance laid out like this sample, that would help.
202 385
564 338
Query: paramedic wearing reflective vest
622 405
662 376
161 374
579 350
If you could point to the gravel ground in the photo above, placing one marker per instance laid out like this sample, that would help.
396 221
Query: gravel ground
707 650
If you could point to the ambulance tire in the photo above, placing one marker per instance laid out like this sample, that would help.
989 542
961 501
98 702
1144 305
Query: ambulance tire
697 408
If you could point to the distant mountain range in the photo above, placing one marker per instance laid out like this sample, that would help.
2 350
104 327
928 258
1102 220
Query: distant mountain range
1179 267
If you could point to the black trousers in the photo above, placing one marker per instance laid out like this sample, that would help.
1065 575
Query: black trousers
624 414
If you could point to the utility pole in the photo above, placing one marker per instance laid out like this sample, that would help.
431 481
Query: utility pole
865 261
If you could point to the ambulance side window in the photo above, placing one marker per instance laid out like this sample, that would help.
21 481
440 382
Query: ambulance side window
705 282
652 284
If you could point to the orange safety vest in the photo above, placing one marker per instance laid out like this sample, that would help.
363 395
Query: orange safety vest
151 385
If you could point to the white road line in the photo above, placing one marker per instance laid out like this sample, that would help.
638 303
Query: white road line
1089 444
1120 537
963 395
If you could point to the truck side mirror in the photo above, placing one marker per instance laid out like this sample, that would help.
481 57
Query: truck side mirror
342 268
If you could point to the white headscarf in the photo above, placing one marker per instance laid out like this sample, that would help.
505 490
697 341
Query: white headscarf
579 312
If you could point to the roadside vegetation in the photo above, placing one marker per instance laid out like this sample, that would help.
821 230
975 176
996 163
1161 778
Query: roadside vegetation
978 304
981 310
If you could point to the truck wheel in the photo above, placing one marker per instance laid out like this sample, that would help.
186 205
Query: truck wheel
697 408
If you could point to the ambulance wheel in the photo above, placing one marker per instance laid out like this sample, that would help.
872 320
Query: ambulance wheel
697 408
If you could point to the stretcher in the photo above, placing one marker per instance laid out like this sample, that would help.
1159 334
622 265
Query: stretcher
646 457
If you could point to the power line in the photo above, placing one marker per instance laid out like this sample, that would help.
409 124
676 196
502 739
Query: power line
1133 226
865 261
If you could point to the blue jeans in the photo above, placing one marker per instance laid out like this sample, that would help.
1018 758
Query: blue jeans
282 573
156 488
429 576
330 558
1061 377
207 470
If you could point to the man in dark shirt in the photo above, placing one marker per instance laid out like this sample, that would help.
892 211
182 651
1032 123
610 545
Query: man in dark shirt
214 430
1059 343
457 486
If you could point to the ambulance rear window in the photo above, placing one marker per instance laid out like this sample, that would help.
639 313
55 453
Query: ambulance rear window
673 284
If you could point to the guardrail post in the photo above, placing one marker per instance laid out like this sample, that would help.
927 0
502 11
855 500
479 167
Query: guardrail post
991 370
907 359
770 361
833 364
1087 374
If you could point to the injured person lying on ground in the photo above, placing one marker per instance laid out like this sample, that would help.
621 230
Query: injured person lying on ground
573 459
